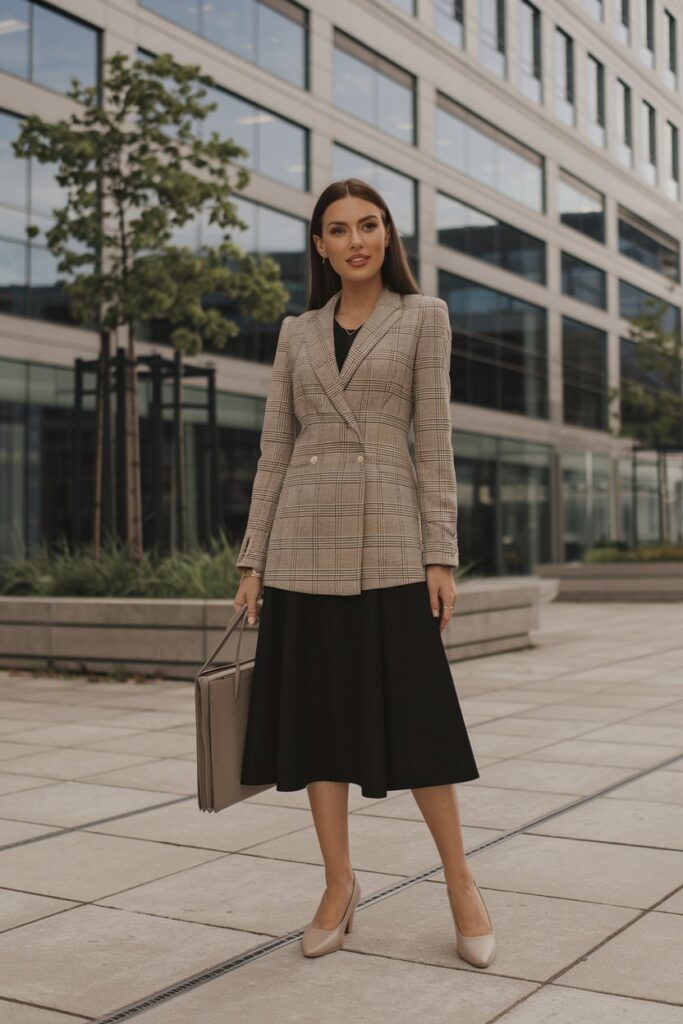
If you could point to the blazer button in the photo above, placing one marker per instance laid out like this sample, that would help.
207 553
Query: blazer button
360 458
314 458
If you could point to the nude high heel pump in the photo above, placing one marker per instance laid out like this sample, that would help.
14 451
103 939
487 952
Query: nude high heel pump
317 941
478 950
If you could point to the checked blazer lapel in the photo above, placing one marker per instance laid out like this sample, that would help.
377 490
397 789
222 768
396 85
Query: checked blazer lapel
322 354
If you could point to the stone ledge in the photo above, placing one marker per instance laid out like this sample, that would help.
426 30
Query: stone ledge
172 638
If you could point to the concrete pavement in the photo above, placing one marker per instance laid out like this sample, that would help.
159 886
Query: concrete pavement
116 891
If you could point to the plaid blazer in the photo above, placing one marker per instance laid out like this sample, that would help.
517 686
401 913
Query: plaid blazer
337 504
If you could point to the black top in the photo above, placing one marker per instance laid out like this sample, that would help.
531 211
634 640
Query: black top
343 342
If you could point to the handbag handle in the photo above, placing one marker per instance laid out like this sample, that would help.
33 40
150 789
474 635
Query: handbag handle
232 622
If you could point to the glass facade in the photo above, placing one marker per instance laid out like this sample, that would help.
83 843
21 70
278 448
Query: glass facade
466 229
270 233
500 357
580 207
489 155
583 281
270 33
449 21
563 71
504 511
46 46
530 51
278 148
646 244
672 178
492 36
370 87
670 69
648 142
29 281
635 302
624 115
584 374
595 100
586 496
622 21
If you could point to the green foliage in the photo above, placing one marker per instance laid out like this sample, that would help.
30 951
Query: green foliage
653 413
643 553
134 168
60 573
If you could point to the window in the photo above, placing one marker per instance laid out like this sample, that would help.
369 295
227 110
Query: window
492 36
584 374
595 8
370 87
624 124
408 6
487 154
635 302
564 78
646 244
595 100
270 33
399 190
500 358
530 51
449 21
469 230
580 206
672 182
30 284
670 70
648 161
647 50
622 21
46 46
583 281
278 148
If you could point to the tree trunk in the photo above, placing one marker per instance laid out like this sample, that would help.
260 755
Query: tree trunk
102 383
179 452
133 474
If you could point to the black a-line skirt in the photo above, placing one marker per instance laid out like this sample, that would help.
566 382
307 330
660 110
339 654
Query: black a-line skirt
353 688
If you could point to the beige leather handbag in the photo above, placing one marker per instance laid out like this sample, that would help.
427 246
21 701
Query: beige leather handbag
222 705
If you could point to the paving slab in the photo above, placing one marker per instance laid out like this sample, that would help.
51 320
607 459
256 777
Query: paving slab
551 776
417 925
626 876
343 987
641 822
621 967
91 959
20 1013
240 892
17 908
483 806
566 1006
236 828
69 763
661 786
76 803
169 775
84 866
628 755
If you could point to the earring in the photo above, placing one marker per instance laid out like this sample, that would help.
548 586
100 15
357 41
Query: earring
323 259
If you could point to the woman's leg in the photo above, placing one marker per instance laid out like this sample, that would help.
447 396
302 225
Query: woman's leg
329 805
439 807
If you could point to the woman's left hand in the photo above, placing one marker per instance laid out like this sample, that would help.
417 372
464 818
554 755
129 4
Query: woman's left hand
442 592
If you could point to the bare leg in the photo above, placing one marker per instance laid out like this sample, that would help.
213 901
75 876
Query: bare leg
330 807
439 807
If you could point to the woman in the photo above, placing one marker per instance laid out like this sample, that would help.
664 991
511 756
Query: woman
351 548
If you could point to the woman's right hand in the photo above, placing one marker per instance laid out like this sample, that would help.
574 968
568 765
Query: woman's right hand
248 593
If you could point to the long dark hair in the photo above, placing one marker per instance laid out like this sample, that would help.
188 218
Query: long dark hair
324 281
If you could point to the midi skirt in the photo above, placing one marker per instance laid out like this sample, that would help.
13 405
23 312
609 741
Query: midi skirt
353 688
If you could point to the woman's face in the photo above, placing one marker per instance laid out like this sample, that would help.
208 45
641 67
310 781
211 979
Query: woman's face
353 227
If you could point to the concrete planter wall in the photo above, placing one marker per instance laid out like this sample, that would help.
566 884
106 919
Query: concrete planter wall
172 638
616 581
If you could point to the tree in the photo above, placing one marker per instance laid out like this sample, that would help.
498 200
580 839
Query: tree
135 167
652 406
